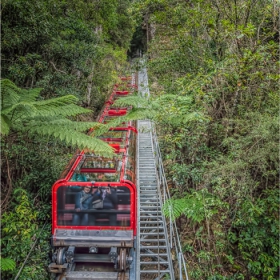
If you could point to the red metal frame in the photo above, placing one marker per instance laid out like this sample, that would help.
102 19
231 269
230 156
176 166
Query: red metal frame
126 78
133 199
116 112
122 92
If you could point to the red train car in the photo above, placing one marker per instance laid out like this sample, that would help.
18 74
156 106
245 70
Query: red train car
94 203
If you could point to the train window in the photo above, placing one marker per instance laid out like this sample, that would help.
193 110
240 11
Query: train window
103 177
92 206
99 163
98 169
92 163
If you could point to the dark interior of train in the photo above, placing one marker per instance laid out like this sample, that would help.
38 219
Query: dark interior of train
77 208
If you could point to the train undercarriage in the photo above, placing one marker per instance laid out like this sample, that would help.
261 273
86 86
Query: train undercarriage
80 254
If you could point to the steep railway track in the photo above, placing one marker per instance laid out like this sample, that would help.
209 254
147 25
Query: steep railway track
150 254
149 257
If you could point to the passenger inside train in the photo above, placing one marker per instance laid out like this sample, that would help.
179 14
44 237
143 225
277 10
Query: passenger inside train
83 201
108 200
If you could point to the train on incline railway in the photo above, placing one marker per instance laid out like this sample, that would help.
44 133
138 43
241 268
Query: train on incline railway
94 204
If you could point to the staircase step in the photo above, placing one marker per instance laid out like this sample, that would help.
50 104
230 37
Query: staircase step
153 247
150 228
155 271
154 256
155 262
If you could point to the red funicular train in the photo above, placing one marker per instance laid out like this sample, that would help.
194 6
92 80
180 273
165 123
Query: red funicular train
94 204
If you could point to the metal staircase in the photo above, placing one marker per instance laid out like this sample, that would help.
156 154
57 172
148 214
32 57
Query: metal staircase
159 251
153 250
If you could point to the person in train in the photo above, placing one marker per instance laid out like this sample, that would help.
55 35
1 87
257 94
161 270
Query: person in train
83 201
108 196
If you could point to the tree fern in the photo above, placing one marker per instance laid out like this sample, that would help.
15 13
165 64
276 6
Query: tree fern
5 125
134 114
7 264
71 136
29 95
21 112
174 208
9 94
178 109
196 206
132 100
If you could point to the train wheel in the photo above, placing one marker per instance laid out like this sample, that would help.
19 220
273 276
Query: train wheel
122 259
60 257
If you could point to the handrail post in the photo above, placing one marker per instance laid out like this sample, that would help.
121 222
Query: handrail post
180 266
173 231
170 226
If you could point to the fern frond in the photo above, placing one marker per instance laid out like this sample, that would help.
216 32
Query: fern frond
73 137
21 110
26 110
42 121
7 264
85 126
29 95
141 114
196 206
173 208
5 125
181 99
9 94
58 101
65 110
135 101
134 114
193 116
167 97
184 99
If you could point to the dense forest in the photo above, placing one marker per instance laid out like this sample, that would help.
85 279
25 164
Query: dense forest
213 70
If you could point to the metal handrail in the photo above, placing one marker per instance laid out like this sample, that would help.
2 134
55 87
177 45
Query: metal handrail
173 231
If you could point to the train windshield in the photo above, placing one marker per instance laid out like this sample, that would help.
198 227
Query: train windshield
93 206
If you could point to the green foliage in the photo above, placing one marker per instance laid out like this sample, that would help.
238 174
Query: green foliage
19 232
60 54
258 230
29 162
66 48
7 264
172 105
197 206
219 59
49 117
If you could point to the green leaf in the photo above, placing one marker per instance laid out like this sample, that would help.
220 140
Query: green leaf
5 127
7 264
